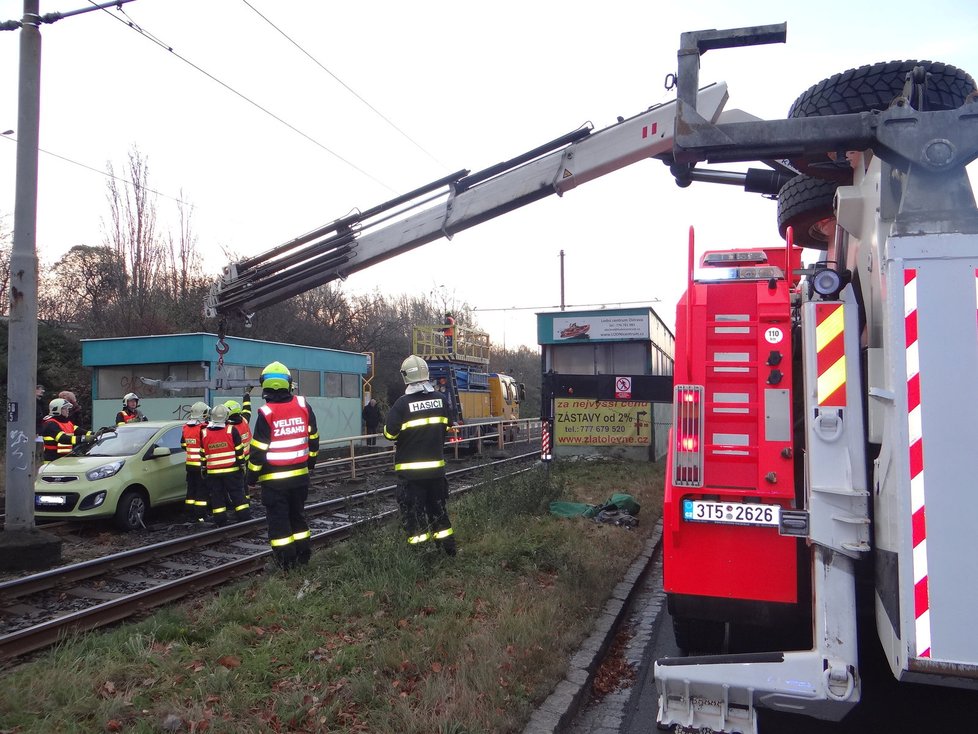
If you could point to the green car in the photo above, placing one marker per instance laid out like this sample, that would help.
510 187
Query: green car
125 472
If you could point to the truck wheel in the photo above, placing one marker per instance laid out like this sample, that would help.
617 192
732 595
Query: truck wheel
130 513
700 636
873 87
805 203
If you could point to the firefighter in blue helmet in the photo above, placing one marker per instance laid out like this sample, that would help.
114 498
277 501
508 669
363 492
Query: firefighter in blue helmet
418 422
283 452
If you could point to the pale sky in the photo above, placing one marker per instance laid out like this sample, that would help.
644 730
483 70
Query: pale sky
470 83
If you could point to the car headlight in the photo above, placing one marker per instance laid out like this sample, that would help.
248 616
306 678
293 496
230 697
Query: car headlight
105 471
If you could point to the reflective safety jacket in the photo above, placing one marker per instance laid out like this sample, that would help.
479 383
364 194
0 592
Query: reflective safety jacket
286 439
220 449
126 416
60 435
418 422
190 441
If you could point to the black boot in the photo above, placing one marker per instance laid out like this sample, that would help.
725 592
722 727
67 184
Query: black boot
285 558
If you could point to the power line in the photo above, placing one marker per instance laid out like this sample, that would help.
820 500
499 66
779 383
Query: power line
345 85
476 309
108 175
146 34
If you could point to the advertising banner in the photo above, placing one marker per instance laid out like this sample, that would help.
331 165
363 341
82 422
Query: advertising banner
582 422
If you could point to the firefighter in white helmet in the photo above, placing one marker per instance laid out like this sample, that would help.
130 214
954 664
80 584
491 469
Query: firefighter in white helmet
283 452
418 422
196 501
222 461
59 434
130 412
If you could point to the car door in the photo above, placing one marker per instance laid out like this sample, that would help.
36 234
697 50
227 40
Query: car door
169 476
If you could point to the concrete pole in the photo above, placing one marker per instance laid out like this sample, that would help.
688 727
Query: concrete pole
21 545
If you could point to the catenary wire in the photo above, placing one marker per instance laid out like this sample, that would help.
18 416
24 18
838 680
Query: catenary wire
129 22
346 86
566 306
108 175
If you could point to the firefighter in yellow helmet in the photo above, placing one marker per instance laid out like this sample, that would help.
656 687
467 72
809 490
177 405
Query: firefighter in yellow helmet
239 416
283 452
418 422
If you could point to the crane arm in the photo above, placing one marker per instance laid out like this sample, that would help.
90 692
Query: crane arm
449 205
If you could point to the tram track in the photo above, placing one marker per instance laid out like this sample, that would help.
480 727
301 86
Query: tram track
40 609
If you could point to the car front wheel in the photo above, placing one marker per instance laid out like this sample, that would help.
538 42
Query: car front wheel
130 513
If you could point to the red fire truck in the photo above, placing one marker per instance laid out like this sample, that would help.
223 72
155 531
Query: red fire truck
724 557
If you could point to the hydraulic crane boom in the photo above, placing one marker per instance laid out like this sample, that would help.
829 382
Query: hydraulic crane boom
450 205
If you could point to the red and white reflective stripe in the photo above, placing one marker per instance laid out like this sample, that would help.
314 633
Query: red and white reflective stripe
545 454
921 596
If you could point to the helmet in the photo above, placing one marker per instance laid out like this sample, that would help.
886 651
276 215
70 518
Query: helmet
414 369
57 405
130 396
199 411
219 414
233 406
276 376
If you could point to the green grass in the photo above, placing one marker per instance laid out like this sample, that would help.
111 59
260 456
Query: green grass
374 636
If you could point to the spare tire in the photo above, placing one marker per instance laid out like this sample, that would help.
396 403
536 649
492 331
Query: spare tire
805 204
874 87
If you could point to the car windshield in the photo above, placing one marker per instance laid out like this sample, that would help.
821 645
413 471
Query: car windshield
122 441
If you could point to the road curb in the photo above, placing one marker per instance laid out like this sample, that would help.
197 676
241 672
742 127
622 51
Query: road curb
563 703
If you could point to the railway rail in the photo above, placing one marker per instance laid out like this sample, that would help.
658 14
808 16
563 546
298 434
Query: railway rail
40 609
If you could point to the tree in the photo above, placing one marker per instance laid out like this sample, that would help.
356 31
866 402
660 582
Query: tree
82 288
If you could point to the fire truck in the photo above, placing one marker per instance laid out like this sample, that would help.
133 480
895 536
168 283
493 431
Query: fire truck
821 443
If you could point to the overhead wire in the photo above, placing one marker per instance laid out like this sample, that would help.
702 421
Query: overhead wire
346 86
108 175
132 24
476 309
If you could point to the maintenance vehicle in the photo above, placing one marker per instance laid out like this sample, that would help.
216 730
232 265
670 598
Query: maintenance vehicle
482 403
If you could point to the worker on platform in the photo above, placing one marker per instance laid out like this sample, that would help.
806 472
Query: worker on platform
283 452
222 461
59 434
449 331
417 423
196 501
130 412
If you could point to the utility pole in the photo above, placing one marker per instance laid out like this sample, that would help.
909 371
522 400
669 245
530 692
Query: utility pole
22 546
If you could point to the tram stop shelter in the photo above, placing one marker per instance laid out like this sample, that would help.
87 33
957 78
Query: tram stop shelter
607 381
172 372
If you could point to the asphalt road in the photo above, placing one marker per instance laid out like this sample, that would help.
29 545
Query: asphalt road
887 707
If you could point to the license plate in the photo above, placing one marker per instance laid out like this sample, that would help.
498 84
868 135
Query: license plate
731 513
47 499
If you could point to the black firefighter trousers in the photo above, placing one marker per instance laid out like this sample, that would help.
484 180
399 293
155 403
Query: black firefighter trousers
288 533
423 504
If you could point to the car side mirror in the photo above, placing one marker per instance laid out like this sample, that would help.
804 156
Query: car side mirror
160 451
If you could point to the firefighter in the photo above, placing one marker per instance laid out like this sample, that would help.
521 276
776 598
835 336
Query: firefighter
283 452
239 416
190 441
130 412
417 423
59 434
222 460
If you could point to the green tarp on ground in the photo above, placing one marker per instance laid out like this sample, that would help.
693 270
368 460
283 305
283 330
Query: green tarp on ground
621 502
